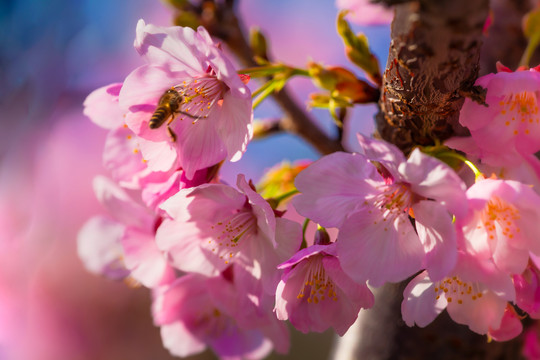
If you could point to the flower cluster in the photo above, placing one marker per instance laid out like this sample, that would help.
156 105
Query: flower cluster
171 123
210 252
227 265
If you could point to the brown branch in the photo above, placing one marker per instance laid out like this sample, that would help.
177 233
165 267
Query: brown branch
433 58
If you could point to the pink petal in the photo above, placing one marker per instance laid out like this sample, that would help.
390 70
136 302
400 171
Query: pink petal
159 156
182 242
199 145
420 305
510 326
235 128
333 187
176 47
147 264
102 107
433 179
371 249
118 202
266 220
438 235
122 157
480 315
99 248
146 84
180 341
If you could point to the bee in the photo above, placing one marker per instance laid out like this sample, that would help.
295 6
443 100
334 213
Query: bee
168 107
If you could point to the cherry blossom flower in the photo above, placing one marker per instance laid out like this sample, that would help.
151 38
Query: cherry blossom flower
122 243
215 225
509 127
314 293
371 206
195 312
213 122
364 12
502 223
475 294
122 155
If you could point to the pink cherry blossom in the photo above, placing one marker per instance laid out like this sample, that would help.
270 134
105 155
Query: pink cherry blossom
122 243
218 103
314 293
195 312
122 152
502 223
214 225
511 326
475 294
510 125
364 12
371 206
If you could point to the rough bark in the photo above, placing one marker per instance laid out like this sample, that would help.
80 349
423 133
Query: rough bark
433 61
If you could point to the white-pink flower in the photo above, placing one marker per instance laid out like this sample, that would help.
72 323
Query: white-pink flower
371 206
315 294
509 127
196 312
215 225
122 243
475 294
218 126
502 223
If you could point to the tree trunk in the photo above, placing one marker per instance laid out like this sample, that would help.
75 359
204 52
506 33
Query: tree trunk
433 60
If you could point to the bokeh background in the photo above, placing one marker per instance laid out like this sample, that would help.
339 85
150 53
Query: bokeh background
52 54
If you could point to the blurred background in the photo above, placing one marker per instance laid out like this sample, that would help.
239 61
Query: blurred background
52 54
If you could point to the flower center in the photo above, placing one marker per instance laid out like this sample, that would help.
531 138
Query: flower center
459 291
520 111
228 233
200 97
394 200
317 285
499 219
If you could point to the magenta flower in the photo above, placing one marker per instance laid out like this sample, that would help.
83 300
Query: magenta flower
364 12
215 225
475 294
509 127
502 223
371 206
314 293
195 312
218 103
